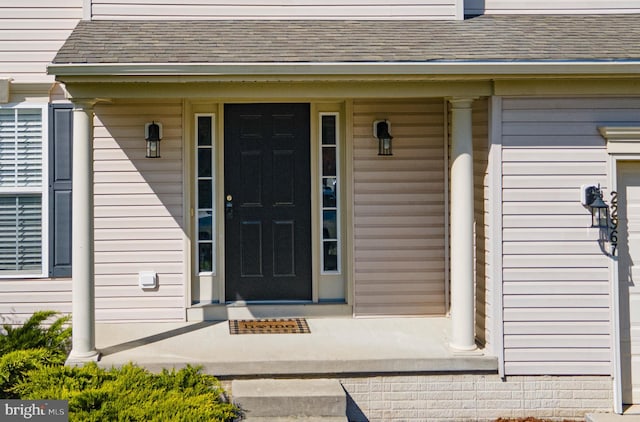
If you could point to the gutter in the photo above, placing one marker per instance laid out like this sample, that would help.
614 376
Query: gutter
617 67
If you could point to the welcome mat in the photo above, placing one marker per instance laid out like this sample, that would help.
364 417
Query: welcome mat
269 326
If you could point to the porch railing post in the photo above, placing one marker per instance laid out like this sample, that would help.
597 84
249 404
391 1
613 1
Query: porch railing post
83 302
462 216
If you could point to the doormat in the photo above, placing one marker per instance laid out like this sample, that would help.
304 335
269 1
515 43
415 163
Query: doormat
269 326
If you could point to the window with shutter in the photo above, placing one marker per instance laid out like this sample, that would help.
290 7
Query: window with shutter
22 235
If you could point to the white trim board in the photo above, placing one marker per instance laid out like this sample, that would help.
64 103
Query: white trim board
623 144
338 68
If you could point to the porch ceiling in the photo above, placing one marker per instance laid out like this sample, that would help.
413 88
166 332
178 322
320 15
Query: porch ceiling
472 46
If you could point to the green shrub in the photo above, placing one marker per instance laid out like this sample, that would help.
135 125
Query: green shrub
31 346
33 335
130 393
32 367
15 365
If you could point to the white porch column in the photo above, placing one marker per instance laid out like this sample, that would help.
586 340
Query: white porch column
83 318
462 268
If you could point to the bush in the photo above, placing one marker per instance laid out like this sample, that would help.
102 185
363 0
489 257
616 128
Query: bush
33 335
130 393
15 365
32 367
31 346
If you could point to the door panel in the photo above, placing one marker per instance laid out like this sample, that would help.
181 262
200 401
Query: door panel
283 179
629 277
251 249
268 208
284 248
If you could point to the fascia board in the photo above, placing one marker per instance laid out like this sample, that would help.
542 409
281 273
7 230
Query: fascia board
346 69
620 132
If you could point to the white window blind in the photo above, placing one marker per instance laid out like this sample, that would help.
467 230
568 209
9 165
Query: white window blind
20 234
20 148
21 187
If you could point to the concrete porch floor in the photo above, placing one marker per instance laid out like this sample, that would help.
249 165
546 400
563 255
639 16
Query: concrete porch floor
334 346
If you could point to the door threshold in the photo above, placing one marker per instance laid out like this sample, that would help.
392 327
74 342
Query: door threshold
253 310
245 303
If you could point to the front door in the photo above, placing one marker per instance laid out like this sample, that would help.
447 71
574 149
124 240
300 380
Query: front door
629 278
267 202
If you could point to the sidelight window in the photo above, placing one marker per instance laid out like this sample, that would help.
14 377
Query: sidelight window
330 204
205 188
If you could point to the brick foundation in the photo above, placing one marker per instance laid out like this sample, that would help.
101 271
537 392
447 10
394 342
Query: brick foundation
482 397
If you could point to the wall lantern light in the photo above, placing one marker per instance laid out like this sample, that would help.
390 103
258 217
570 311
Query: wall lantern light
381 130
592 197
153 136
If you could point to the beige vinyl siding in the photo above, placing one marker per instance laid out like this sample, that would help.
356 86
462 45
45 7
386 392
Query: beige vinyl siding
19 299
31 32
480 162
399 209
138 213
556 278
274 9
477 7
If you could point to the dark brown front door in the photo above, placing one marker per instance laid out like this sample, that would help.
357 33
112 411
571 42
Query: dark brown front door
267 202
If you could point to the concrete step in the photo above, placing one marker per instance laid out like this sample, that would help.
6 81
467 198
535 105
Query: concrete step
308 400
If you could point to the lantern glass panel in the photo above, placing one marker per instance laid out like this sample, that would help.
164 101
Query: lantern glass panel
600 217
153 148
386 144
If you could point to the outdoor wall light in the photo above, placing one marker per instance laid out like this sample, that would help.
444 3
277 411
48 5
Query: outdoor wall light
592 198
381 131
153 135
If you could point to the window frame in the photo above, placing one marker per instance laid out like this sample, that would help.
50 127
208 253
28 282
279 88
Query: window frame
337 209
214 204
43 190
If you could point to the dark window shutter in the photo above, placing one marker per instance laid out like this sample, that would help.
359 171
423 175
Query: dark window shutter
60 167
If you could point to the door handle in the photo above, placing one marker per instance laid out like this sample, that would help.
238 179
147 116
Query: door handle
228 207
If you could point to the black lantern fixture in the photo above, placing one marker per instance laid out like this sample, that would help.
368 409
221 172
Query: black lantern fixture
153 136
599 209
381 131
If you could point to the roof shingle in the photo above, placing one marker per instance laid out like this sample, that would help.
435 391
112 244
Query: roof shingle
485 38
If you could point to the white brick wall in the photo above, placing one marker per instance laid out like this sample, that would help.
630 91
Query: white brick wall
475 397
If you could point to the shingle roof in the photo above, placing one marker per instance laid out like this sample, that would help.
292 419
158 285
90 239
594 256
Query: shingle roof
487 38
